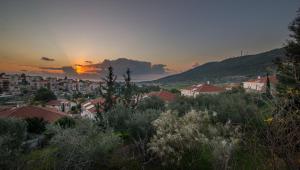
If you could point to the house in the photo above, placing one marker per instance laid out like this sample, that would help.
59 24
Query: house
61 105
49 115
231 86
164 95
195 90
259 85
89 109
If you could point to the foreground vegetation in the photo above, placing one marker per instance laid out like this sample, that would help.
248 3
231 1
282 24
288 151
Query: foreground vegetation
232 130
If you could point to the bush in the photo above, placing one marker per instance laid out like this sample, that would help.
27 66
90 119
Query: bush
236 107
176 137
83 147
152 102
182 105
12 134
118 116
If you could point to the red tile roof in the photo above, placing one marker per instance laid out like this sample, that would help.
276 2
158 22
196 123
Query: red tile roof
272 79
164 95
47 114
207 88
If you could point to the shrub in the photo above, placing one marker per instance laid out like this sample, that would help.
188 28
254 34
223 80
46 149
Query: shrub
181 104
12 134
83 147
118 116
177 136
152 102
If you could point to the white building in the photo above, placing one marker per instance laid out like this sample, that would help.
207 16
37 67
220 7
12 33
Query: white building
89 108
196 90
259 85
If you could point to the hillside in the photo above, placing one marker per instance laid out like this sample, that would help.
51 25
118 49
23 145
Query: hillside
232 69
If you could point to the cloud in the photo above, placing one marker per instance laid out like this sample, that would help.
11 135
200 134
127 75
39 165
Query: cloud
47 59
50 68
69 70
141 70
137 67
88 62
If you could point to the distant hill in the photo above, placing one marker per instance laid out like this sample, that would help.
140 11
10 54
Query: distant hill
232 69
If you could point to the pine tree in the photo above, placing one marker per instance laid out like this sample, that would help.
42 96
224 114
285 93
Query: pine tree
288 68
283 131
108 91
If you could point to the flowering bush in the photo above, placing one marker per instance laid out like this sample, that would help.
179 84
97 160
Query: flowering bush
177 135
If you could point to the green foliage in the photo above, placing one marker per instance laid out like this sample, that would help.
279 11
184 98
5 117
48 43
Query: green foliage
118 116
83 147
178 137
152 102
139 123
65 122
36 125
288 69
12 134
44 95
237 107
42 159
181 105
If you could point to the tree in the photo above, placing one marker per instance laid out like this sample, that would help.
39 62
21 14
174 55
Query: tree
268 87
288 68
108 91
44 95
283 130
128 90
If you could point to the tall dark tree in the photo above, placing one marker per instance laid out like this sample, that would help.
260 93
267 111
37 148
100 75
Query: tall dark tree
288 70
284 129
268 87
128 91
108 90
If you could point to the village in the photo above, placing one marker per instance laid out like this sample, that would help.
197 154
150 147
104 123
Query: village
17 84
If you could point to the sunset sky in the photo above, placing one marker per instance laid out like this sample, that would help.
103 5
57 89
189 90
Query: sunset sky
37 34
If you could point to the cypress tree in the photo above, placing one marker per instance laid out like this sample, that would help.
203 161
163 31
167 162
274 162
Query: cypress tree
127 89
268 87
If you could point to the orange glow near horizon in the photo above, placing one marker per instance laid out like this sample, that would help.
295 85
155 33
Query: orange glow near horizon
80 69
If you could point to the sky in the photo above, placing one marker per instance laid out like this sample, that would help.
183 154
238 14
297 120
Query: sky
55 34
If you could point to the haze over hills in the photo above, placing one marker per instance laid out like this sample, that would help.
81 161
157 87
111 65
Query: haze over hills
232 69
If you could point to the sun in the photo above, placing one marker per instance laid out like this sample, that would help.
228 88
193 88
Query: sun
80 69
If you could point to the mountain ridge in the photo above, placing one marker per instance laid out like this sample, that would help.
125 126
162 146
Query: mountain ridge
230 69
